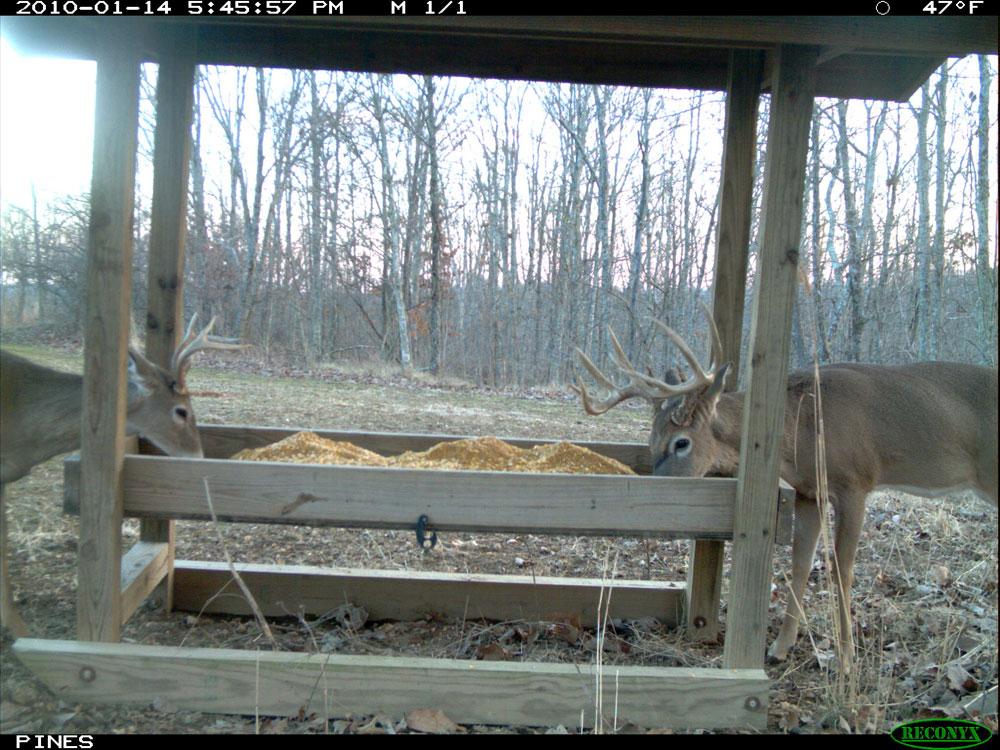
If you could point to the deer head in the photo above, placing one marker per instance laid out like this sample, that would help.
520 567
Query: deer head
689 437
158 402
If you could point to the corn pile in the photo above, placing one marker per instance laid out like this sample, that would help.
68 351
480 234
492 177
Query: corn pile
472 454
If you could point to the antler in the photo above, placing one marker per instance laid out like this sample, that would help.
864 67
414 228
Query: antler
195 343
646 386
701 378
640 385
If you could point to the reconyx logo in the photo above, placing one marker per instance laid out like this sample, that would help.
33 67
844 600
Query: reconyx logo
941 733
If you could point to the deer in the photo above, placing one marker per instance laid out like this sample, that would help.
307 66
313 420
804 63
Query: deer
926 428
41 415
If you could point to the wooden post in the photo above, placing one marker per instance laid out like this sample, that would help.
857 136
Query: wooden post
704 578
793 84
109 268
168 227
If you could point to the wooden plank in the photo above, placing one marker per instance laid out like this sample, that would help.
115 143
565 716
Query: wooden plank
284 590
732 249
109 268
786 513
71 476
71 503
331 685
703 586
947 35
352 496
222 441
704 576
168 226
774 298
167 230
143 568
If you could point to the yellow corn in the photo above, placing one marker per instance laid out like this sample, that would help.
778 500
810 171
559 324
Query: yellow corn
471 454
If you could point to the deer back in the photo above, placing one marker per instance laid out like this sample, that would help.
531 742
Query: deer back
926 427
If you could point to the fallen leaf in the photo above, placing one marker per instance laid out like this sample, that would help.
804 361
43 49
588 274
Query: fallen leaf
788 716
431 722
492 652
528 634
565 626
372 727
960 680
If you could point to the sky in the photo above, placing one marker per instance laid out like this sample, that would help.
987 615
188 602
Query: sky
46 126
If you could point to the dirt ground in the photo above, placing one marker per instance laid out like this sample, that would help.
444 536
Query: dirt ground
925 595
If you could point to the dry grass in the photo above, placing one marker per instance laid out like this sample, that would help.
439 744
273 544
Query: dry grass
925 594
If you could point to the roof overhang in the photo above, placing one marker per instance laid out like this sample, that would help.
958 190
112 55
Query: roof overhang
860 57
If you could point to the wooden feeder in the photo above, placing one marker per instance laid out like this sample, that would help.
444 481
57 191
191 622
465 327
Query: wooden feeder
792 58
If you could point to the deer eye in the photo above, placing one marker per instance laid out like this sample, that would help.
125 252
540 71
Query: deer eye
682 446
181 413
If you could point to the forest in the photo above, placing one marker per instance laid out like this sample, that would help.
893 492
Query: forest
482 229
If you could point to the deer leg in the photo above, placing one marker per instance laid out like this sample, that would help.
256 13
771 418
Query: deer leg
850 517
9 616
807 525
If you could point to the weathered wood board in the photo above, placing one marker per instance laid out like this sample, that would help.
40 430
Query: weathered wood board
284 590
332 685
374 497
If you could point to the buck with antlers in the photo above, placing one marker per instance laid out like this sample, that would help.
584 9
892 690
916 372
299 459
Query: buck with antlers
928 428
41 418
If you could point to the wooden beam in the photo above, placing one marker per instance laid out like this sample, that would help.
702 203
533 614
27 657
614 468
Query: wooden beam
109 269
286 590
388 498
168 225
704 577
664 51
218 36
352 496
331 685
144 567
167 230
774 299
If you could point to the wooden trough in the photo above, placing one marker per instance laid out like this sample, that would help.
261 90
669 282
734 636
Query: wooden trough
469 501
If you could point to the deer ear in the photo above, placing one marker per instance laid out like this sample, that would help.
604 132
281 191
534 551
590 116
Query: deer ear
138 368
718 385
672 376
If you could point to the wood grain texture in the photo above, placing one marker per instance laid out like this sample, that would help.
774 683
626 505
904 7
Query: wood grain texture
167 231
351 496
372 479
143 568
704 576
469 692
774 298
906 35
284 590
168 225
109 266
665 51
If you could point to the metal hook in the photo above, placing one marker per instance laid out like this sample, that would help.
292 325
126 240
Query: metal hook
421 539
